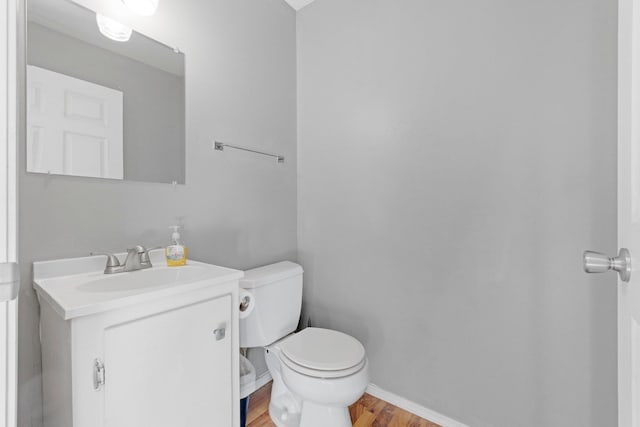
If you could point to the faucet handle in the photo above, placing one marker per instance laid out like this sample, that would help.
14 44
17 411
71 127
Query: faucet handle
144 255
155 248
112 261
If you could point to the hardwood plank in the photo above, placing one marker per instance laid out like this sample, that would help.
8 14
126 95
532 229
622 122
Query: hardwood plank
373 404
365 419
264 420
356 410
400 418
416 421
259 403
368 401
383 419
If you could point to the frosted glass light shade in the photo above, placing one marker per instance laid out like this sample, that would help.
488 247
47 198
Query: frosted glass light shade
142 7
113 29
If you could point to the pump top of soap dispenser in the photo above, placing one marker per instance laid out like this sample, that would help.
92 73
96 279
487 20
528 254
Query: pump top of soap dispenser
175 236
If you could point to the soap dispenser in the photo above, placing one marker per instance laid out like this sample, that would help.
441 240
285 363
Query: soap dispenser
176 252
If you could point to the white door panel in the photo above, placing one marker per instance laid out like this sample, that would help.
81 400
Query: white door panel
84 155
74 127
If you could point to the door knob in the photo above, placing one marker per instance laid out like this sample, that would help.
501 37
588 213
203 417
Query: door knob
595 262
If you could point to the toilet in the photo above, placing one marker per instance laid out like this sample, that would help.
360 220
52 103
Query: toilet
317 373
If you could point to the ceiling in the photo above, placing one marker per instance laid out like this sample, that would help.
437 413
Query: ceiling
298 4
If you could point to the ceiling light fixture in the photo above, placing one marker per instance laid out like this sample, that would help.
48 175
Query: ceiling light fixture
113 29
142 7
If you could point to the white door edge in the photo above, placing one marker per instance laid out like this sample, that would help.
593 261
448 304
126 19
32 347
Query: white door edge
8 129
8 211
629 210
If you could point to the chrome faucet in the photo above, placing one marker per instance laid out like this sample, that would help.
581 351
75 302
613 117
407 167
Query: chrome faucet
133 261
137 259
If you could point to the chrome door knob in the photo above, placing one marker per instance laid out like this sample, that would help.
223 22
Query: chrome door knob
595 262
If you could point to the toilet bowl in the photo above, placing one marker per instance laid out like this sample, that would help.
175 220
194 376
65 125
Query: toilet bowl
322 371
317 373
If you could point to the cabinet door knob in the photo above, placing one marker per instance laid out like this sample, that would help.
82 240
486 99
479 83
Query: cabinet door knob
220 333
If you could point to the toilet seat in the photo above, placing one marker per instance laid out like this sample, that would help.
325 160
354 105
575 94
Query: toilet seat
318 373
322 353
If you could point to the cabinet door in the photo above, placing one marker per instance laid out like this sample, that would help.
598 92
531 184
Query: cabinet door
171 369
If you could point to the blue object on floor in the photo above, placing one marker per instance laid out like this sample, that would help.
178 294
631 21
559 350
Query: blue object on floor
247 386
244 408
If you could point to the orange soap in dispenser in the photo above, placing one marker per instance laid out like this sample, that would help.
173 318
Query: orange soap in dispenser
176 253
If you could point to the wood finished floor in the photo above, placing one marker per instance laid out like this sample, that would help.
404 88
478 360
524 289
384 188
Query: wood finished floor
366 412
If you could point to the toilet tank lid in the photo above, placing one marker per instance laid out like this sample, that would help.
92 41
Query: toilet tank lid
261 276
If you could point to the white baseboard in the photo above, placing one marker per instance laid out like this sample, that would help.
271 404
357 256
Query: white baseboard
413 407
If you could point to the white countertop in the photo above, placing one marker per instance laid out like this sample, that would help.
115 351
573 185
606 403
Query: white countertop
77 287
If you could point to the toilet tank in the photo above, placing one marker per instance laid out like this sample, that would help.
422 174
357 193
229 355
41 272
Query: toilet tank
277 293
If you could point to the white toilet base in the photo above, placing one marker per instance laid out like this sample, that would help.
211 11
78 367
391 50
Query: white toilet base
322 416
282 417
284 407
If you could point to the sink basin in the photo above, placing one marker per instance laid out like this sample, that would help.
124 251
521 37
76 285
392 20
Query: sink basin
157 277
78 287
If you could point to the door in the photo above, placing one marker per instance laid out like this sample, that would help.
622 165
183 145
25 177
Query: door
74 127
9 280
628 259
173 369
629 211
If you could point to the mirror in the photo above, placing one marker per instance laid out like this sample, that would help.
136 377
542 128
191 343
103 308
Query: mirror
99 107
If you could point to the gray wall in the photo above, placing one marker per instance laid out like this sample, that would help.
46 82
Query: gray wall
154 146
239 209
455 159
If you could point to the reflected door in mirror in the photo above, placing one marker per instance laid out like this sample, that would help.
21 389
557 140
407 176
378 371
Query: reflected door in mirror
74 127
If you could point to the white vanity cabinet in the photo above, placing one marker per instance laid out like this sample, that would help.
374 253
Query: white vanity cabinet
169 360
170 369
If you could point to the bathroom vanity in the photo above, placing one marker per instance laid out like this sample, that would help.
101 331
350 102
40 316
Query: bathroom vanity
150 348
